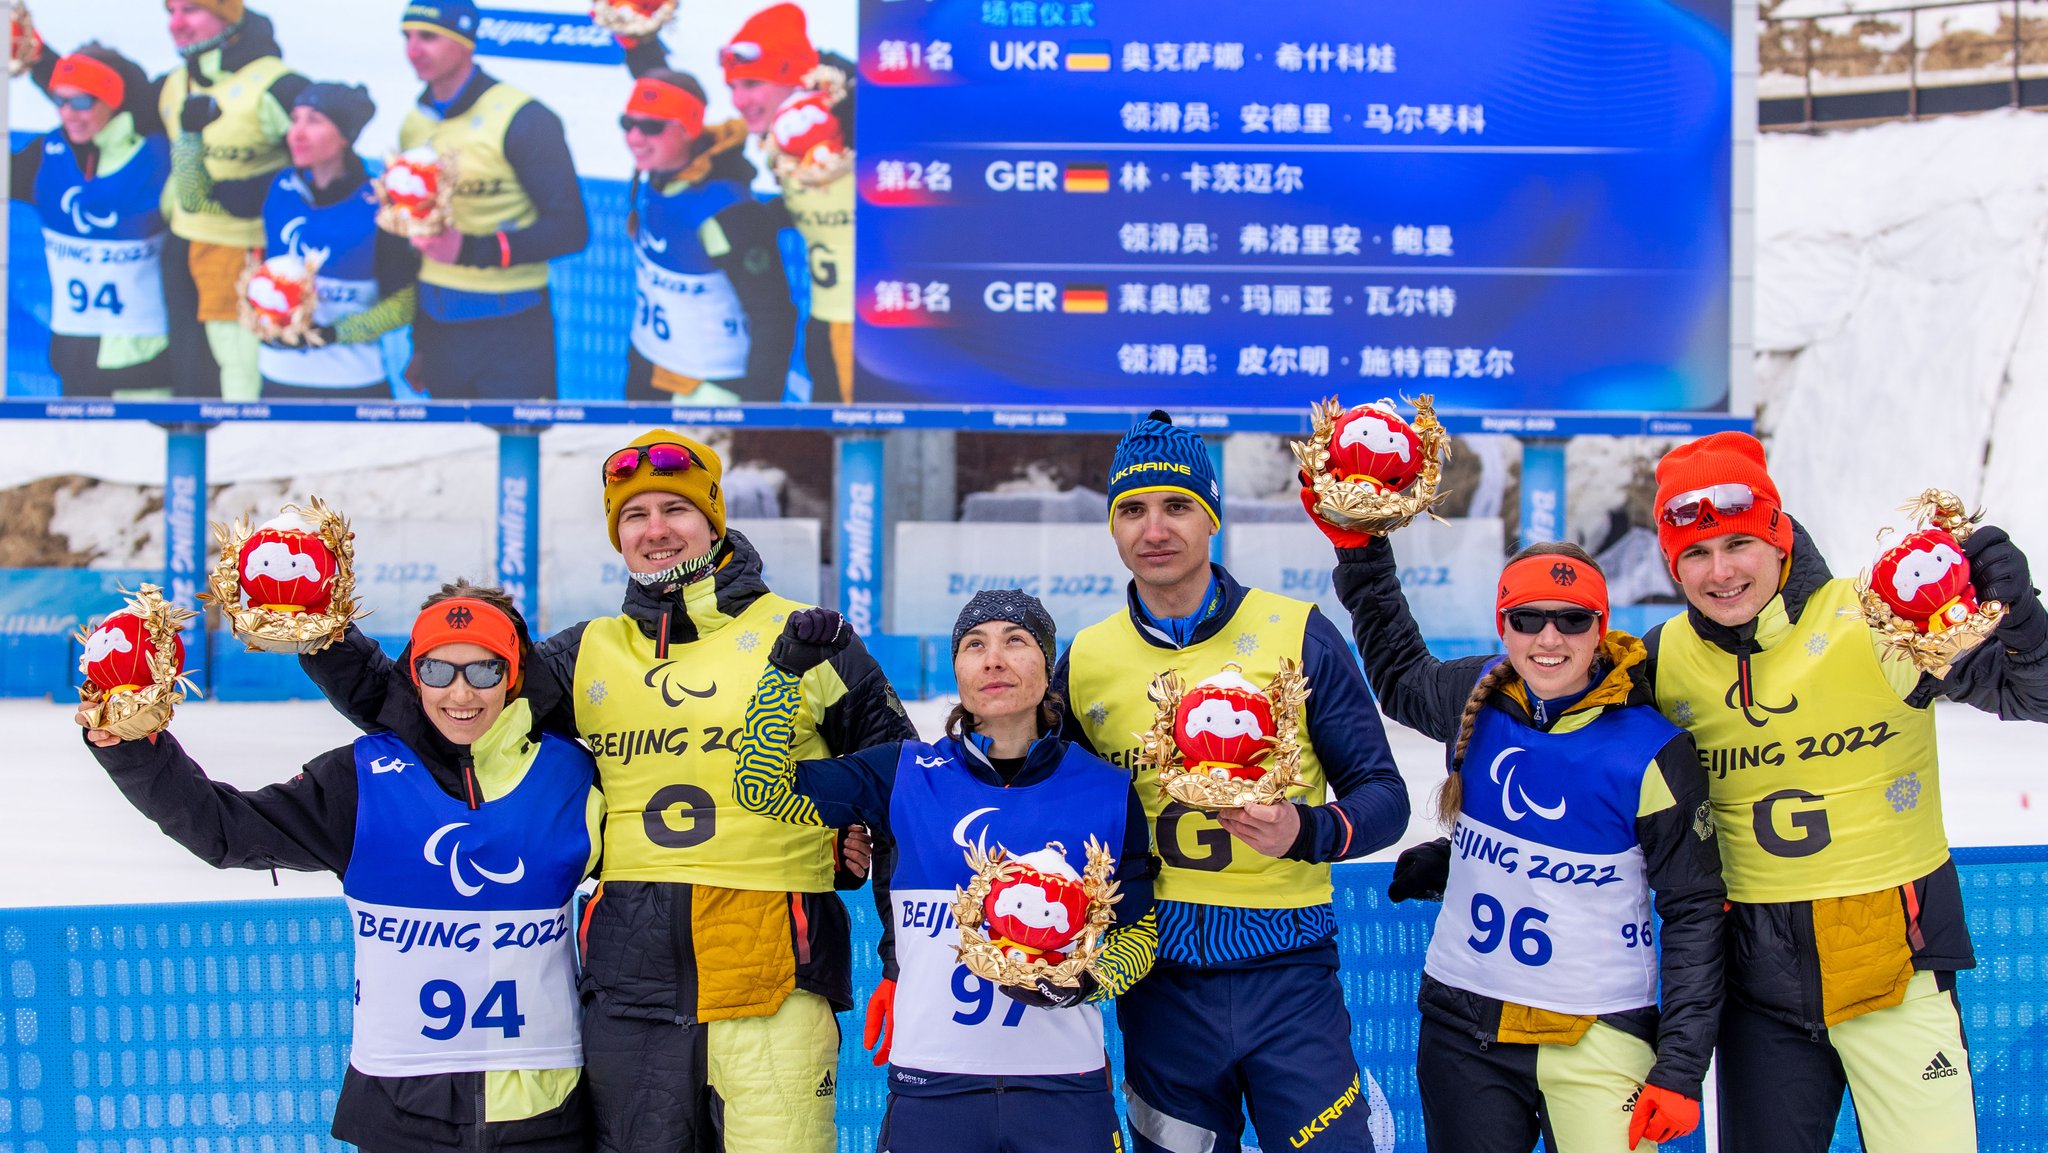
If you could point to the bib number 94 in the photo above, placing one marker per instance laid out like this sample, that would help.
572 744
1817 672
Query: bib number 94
107 299
444 1006
1493 924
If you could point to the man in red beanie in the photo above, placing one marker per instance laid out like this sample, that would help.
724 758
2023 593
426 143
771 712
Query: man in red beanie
801 105
715 951
1846 918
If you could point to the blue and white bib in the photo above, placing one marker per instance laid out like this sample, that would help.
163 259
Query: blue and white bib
947 1019
686 316
464 935
1548 902
344 236
104 239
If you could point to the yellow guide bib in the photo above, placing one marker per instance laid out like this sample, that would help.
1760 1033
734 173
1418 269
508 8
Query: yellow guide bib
488 195
663 731
1827 785
237 146
1108 669
824 218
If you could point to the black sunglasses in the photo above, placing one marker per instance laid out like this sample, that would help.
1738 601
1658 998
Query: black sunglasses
1570 622
439 674
647 125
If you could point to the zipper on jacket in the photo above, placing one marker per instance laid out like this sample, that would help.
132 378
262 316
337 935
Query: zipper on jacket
661 638
482 1111
1742 684
469 779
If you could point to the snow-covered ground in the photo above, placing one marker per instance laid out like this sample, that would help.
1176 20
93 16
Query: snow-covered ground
68 838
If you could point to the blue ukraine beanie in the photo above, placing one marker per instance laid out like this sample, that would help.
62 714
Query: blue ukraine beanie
1159 455
455 19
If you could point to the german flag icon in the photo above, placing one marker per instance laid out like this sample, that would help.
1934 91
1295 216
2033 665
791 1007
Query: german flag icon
1088 56
1081 176
1091 298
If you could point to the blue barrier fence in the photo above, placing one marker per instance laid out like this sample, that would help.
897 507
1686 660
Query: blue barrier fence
224 1028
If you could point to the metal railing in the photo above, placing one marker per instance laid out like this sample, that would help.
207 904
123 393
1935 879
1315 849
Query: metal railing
1899 63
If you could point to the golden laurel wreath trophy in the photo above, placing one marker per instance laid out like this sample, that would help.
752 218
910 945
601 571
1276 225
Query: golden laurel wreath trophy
23 46
634 19
134 666
1226 743
1032 918
416 193
1918 596
276 299
288 586
1372 471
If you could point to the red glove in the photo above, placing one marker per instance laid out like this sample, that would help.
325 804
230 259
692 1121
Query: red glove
1662 1115
1341 537
881 1024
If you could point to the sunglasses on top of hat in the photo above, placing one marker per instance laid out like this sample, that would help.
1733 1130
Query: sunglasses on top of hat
1726 499
439 674
745 52
622 464
1570 622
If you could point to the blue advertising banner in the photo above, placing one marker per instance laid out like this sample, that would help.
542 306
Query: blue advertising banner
857 534
1543 491
1516 207
185 535
568 37
518 523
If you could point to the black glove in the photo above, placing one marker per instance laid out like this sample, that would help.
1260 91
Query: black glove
1421 871
810 637
1050 996
1997 567
321 335
198 112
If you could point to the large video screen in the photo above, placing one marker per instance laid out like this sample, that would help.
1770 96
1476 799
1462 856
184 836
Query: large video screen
1199 204
1511 205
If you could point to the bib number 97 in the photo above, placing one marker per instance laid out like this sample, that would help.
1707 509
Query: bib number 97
977 995
1493 924
444 1004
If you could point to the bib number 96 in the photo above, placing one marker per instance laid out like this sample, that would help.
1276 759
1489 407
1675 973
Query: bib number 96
445 1007
1493 924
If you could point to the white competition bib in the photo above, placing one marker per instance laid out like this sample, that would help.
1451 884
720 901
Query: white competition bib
445 991
950 1021
690 324
1566 931
105 287
334 365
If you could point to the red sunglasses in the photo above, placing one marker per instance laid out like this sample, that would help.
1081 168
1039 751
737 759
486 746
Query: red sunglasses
669 458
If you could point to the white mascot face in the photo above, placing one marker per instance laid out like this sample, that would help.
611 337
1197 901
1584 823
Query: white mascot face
276 560
104 642
1374 436
266 295
1219 718
1922 567
400 180
1029 904
796 120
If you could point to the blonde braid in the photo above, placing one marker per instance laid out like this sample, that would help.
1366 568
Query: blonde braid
1451 796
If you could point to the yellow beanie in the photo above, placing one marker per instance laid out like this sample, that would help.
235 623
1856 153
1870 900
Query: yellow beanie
230 11
699 486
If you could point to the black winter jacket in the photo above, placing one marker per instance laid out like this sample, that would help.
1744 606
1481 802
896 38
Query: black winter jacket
308 824
642 961
1683 863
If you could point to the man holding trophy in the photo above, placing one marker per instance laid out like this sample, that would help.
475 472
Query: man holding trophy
1243 1002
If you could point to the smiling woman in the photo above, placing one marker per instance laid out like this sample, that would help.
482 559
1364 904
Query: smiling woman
1571 804
457 808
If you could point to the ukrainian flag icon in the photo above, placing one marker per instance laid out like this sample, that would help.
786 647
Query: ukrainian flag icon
1088 56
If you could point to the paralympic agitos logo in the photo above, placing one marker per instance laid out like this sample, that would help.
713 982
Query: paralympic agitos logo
673 691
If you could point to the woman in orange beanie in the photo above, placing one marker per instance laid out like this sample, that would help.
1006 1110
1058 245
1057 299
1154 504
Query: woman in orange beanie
1571 805
461 1039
